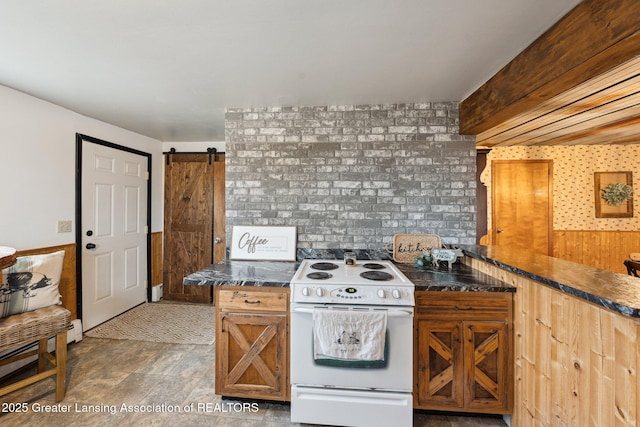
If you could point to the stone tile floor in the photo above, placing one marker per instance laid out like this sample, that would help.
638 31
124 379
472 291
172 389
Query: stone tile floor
110 382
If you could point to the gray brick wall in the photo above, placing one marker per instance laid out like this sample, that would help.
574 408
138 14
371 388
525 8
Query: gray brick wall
351 176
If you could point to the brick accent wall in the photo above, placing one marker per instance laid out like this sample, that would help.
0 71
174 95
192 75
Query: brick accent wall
351 176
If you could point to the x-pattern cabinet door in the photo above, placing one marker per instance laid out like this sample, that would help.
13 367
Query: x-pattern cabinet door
485 351
440 363
463 351
252 355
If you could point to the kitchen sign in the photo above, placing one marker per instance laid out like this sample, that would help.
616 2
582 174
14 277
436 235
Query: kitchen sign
406 247
263 243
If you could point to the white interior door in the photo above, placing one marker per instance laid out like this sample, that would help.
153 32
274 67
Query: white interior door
114 232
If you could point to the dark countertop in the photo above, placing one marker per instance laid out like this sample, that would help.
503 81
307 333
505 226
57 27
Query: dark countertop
279 273
460 278
617 292
244 273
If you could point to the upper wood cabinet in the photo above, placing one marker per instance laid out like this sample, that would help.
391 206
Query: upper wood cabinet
463 351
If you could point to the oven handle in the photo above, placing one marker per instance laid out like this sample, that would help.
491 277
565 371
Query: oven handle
390 313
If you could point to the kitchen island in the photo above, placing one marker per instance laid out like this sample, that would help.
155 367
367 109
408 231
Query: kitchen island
576 339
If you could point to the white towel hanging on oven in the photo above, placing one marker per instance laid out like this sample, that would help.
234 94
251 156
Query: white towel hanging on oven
349 334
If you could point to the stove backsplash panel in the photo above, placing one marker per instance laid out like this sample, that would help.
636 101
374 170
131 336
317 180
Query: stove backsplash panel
351 176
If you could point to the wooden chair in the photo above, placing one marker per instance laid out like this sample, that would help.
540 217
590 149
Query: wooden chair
39 325
632 267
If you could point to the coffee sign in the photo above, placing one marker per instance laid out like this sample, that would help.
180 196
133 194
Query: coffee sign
265 243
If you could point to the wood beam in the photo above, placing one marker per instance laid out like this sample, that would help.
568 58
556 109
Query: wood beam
592 38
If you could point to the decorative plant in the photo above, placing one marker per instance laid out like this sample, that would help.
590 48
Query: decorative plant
424 258
616 194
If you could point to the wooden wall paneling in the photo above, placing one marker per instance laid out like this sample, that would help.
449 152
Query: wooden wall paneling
219 221
576 363
542 360
560 244
527 363
594 37
68 277
604 249
560 328
626 355
156 258
595 246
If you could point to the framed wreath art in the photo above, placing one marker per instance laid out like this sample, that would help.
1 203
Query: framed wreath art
613 194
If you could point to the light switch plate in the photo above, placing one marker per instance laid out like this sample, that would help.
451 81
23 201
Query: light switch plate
64 226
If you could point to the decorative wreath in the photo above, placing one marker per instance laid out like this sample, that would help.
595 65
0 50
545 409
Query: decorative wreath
616 194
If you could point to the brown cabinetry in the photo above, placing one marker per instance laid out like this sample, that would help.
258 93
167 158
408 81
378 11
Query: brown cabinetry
463 351
252 345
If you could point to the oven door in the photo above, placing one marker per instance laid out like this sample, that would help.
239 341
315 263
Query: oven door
397 375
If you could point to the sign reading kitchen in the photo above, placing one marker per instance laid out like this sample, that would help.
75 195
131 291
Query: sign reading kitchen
264 243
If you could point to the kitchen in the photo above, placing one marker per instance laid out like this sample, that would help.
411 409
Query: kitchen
370 226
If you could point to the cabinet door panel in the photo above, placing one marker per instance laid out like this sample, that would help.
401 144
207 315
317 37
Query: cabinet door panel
486 365
440 364
252 356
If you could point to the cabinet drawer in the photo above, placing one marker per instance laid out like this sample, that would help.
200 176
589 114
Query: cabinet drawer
435 303
251 300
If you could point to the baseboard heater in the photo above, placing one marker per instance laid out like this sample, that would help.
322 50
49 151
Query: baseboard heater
73 335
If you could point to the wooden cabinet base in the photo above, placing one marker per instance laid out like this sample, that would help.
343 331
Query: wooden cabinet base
463 352
252 343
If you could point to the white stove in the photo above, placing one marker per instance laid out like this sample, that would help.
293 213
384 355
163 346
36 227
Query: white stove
351 394
369 282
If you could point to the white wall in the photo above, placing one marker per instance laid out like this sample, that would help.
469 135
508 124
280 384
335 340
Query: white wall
37 168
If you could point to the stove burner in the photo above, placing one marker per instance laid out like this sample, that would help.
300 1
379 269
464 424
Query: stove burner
373 266
376 275
319 275
324 266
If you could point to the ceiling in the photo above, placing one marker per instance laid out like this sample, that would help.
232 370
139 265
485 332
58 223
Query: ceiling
168 68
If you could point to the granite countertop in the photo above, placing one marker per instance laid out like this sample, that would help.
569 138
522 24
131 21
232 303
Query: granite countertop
279 273
460 278
244 273
617 292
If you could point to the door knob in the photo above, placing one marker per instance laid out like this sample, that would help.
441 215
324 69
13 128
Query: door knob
217 240
90 246
499 230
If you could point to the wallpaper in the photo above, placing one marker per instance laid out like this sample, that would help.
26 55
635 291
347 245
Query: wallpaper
573 168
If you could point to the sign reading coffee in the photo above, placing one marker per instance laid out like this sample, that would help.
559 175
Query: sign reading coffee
266 243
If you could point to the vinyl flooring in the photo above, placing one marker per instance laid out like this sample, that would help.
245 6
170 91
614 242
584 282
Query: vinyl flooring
134 383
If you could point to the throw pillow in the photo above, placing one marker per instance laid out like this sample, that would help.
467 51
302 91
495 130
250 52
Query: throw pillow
31 283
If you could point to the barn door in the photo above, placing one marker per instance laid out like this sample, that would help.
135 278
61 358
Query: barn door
522 204
193 210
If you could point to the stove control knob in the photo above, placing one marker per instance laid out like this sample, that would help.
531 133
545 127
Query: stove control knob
381 293
396 294
320 292
305 292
